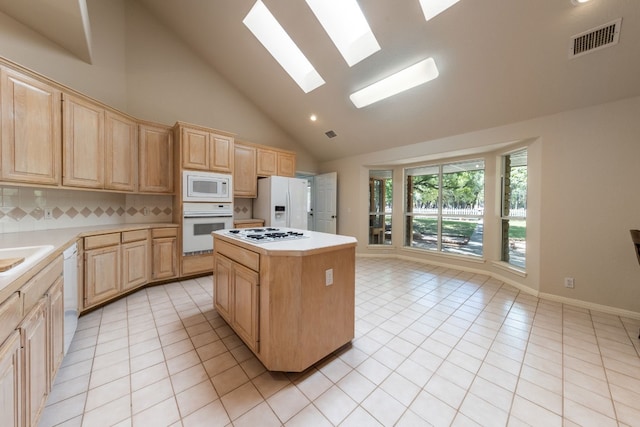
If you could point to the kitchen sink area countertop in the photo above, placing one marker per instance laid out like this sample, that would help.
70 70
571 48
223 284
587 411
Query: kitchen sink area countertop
42 246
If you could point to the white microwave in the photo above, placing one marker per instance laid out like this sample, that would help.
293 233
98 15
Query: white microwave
206 187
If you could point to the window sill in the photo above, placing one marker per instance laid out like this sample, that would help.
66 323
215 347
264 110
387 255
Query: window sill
510 268
380 247
467 258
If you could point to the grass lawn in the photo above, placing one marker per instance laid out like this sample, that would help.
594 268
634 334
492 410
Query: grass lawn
428 226
517 230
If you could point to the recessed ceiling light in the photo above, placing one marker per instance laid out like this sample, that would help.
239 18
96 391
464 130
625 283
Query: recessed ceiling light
408 78
275 39
431 8
578 2
313 117
347 27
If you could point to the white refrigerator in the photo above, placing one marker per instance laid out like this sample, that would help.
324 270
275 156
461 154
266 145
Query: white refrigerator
281 202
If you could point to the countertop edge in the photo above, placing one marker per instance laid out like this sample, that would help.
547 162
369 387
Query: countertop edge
60 239
264 249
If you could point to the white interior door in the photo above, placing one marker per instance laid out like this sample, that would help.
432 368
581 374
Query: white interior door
325 192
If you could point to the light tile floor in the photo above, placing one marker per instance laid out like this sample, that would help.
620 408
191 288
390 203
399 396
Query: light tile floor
433 346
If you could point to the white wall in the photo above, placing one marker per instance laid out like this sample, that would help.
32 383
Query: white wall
583 199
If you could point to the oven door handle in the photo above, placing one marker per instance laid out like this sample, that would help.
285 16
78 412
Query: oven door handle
204 215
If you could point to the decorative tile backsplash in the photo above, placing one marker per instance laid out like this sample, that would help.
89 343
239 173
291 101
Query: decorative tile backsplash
25 209
242 208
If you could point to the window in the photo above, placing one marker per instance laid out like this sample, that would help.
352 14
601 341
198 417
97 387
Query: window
380 203
444 207
514 208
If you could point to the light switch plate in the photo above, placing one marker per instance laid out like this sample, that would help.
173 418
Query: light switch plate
328 277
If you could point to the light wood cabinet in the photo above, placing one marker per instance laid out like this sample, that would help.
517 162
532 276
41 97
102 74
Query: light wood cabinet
31 130
121 152
248 223
245 177
83 130
35 353
156 159
276 162
11 381
100 147
204 149
135 262
237 298
102 274
55 299
286 164
164 244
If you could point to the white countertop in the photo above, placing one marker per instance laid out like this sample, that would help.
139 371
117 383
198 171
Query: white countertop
315 242
56 240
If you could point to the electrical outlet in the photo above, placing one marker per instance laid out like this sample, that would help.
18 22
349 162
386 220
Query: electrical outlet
145 211
569 282
48 213
328 277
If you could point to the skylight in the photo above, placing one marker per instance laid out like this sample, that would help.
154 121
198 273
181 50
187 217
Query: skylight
275 39
408 78
347 27
431 8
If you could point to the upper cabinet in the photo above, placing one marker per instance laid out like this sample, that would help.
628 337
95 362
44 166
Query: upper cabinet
156 158
121 152
100 146
276 162
83 130
245 178
205 149
31 131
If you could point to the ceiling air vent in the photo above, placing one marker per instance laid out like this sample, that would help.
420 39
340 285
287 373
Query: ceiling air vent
596 38
331 134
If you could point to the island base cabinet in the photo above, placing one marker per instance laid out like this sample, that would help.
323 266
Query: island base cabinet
236 298
302 318
11 382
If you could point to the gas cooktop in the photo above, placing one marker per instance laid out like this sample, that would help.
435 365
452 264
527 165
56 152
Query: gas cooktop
266 234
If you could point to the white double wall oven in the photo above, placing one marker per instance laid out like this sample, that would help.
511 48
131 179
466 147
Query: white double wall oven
207 206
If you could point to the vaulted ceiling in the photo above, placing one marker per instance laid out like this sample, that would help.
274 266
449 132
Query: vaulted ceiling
500 61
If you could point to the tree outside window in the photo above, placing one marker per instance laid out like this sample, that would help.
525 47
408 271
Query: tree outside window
514 208
445 206
380 206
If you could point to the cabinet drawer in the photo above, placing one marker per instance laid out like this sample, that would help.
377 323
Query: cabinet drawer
164 232
10 315
239 255
134 236
33 290
101 240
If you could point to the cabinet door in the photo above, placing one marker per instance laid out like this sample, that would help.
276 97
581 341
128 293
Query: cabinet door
222 286
121 152
156 159
31 130
286 164
33 333
245 179
196 153
135 270
56 326
245 304
102 274
11 382
267 162
165 257
83 130
221 153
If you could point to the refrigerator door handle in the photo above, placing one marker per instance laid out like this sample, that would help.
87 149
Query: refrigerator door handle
288 209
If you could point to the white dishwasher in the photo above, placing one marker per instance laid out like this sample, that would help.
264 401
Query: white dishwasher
70 274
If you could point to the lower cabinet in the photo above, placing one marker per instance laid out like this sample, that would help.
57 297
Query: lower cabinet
135 262
34 333
236 298
164 247
11 381
56 326
102 274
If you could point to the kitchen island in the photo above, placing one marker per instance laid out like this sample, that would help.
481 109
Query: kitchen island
291 300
